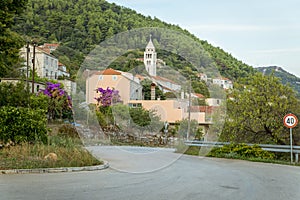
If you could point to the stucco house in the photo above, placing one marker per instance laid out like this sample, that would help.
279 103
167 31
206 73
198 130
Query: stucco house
128 85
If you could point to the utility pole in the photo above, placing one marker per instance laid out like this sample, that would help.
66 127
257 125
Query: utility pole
27 65
27 72
33 68
189 112
88 97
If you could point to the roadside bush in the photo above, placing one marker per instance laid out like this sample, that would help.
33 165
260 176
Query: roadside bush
68 130
67 142
241 151
14 94
104 116
19 125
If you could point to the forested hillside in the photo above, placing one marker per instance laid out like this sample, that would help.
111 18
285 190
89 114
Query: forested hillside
285 77
78 25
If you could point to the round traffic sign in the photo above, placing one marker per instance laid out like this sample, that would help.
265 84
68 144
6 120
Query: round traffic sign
290 120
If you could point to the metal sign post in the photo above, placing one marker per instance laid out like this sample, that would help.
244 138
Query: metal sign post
291 143
290 121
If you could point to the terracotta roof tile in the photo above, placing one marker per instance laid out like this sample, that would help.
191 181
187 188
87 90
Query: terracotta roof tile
109 71
200 96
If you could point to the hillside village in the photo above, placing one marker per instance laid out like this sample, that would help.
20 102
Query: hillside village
171 90
170 110
46 66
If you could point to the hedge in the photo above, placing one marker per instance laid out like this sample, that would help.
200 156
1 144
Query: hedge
18 124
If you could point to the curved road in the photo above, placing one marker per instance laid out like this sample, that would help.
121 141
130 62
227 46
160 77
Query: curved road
186 177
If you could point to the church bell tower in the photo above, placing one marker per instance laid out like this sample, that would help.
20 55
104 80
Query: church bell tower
150 58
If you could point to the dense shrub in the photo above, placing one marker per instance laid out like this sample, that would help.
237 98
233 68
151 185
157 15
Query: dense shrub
22 124
14 94
241 151
59 102
68 130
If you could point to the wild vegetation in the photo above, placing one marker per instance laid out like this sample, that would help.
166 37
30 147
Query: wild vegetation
285 77
25 137
80 25
255 106
69 153
10 41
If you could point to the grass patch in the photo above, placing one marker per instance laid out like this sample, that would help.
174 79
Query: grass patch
241 152
70 153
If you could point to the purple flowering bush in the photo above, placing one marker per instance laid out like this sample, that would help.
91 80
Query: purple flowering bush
107 97
60 103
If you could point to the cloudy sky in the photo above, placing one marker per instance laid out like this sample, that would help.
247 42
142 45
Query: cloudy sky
258 32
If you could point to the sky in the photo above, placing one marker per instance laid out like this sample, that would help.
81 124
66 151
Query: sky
257 32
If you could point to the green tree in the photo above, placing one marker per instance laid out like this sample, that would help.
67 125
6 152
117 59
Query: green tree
195 130
143 119
10 41
255 110
14 95
147 90
200 87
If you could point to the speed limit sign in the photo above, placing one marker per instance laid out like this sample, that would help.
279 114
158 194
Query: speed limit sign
290 120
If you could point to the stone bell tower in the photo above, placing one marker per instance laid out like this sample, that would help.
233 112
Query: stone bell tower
150 58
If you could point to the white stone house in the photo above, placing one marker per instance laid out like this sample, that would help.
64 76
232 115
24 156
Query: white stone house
69 86
203 77
62 70
37 86
46 65
224 83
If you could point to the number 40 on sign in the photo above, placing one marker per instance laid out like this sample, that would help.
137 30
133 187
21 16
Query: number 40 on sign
290 120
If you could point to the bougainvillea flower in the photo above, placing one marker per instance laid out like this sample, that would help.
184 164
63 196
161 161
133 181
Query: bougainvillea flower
107 96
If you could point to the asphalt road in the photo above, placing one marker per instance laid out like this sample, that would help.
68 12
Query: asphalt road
172 177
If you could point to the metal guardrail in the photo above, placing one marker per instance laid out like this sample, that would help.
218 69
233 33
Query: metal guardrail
266 147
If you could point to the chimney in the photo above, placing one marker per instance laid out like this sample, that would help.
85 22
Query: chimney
182 94
153 91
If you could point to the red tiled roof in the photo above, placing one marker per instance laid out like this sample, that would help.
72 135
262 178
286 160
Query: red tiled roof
45 51
140 77
109 71
223 78
51 45
60 64
206 109
201 74
200 96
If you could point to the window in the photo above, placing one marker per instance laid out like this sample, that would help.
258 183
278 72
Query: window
46 73
135 105
114 77
47 60
37 88
55 76
101 77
